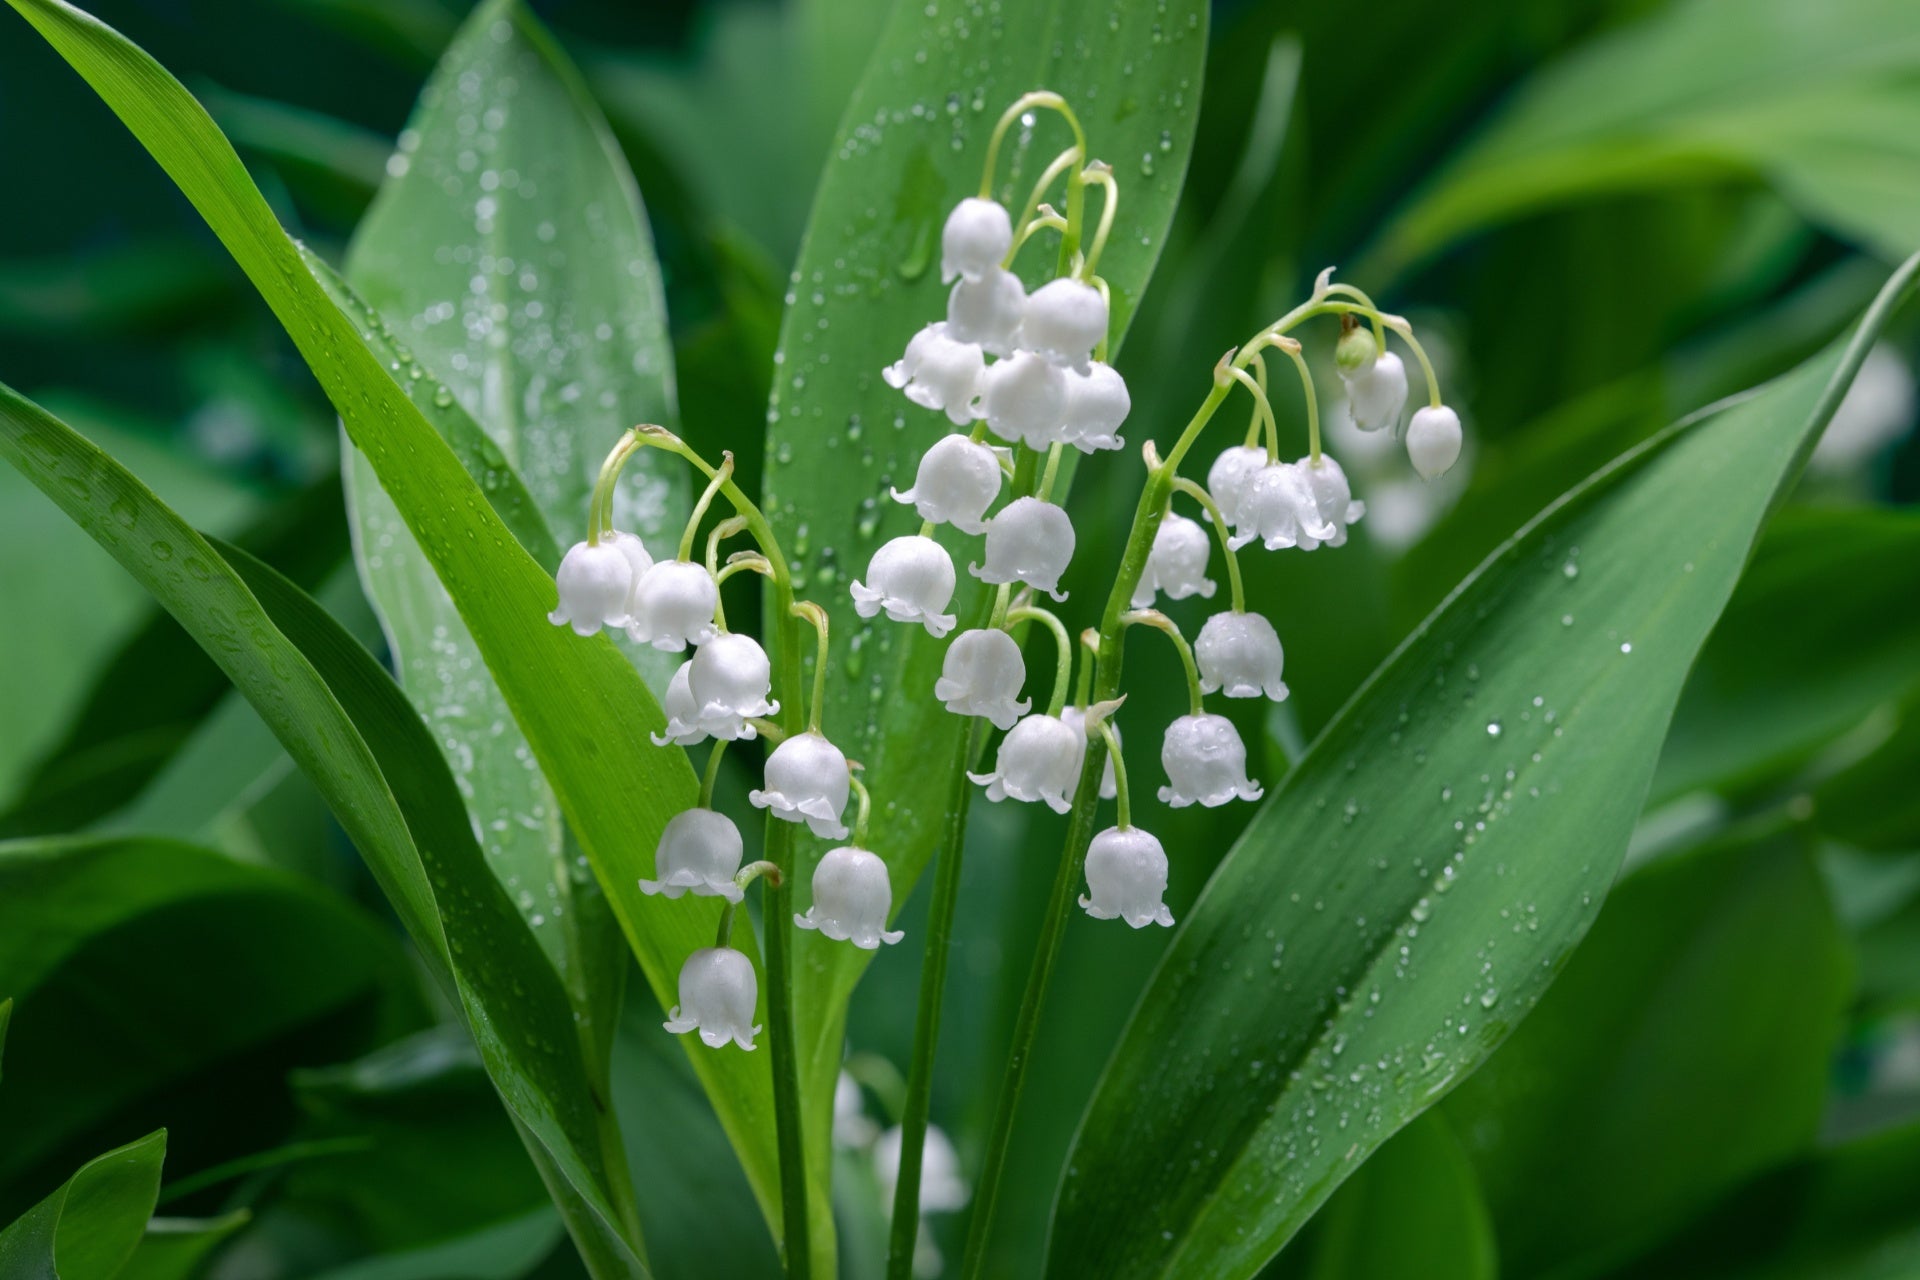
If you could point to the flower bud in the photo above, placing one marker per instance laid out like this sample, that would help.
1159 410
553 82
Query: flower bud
1077 719
1097 403
1127 878
718 989
912 578
1177 564
851 898
1030 541
1332 499
1433 441
1229 478
981 675
807 781
729 679
957 481
977 236
683 713
938 372
673 606
1025 399
987 310
700 851
1240 653
1039 759
595 583
942 1190
1065 320
1206 763
1377 393
1355 352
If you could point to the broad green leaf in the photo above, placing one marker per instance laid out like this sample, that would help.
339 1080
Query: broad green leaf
910 147
505 1251
1414 1208
6 1016
1703 91
90 1225
1872 803
584 711
1836 593
1684 1048
178 1248
206 959
509 254
382 777
1405 895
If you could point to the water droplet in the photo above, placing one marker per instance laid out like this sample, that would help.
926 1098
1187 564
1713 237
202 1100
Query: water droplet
1493 728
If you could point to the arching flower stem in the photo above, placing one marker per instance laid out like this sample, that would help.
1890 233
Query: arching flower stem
746 876
865 810
1052 472
1083 681
1063 649
1254 421
600 505
1100 174
1162 623
711 773
1123 800
1044 98
811 613
714 483
720 533
1199 494
1262 408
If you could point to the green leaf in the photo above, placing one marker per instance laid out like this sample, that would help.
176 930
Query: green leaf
1407 892
1414 1208
1703 91
910 147
90 1226
505 1251
1684 1049
177 1248
584 711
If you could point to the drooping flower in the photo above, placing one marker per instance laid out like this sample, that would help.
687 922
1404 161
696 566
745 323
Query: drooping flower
977 236
1030 541
852 1126
807 781
957 481
981 675
673 606
1039 759
1065 320
595 583
1377 392
1127 878
700 852
1024 398
1077 719
1229 478
987 310
1433 441
1206 763
683 713
942 1190
1097 403
1240 653
718 989
1278 509
912 578
939 372
730 679
1177 564
851 899
1332 499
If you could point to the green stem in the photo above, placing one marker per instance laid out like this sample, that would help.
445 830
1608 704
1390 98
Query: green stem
1123 798
1313 400
1083 683
1254 423
1262 407
1045 491
1063 661
600 505
1026 224
1379 329
1025 102
1183 485
812 613
862 813
719 478
1405 331
1162 623
744 877
1100 175
711 773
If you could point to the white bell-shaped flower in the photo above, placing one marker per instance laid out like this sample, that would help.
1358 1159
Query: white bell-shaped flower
683 713
673 606
1127 878
942 1190
1077 719
1433 441
851 898
852 1126
1332 499
1097 403
718 989
939 372
981 675
1177 564
1206 763
977 236
729 679
1024 398
807 781
699 852
1039 759
1065 320
1229 478
1030 541
987 310
1278 509
1240 653
912 578
632 548
957 481
595 582
1377 392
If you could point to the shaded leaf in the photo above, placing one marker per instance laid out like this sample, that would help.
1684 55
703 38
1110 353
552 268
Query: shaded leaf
1414 1208
91 1224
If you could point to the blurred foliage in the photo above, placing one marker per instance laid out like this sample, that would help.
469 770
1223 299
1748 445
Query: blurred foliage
1611 212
